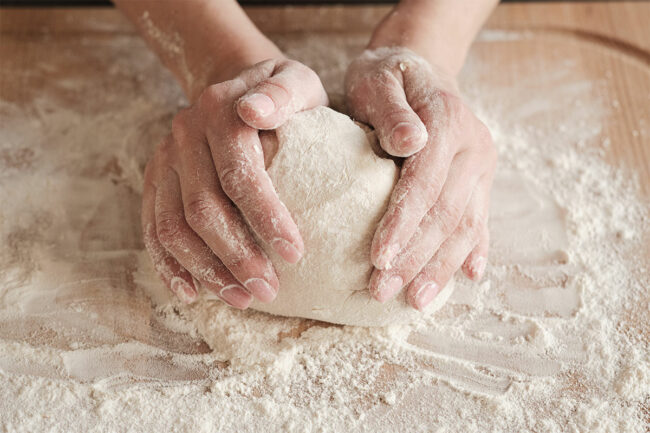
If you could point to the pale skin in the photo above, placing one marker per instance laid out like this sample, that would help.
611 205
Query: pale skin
206 188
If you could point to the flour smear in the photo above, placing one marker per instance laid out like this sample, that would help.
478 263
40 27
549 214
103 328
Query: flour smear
555 338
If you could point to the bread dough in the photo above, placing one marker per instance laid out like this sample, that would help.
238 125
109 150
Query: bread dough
337 189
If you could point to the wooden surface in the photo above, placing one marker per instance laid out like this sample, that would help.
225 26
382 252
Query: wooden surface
607 42
616 27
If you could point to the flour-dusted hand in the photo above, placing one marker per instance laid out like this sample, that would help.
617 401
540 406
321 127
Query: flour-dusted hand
376 94
207 180
437 217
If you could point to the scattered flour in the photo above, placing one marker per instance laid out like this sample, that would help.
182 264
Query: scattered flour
555 339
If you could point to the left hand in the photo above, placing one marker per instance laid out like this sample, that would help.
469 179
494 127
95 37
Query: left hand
206 188
437 218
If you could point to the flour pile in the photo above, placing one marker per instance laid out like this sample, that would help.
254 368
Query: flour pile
555 339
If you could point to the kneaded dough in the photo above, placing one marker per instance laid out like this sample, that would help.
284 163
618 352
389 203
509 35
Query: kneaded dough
337 189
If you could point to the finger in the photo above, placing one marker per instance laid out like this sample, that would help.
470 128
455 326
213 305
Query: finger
424 174
421 179
243 178
191 252
476 262
210 214
400 130
428 181
292 87
175 277
437 273
438 225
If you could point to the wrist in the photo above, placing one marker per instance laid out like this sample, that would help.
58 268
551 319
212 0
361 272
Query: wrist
231 63
440 31
230 60
218 42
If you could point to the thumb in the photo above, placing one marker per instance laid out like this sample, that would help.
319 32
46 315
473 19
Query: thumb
292 87
399 129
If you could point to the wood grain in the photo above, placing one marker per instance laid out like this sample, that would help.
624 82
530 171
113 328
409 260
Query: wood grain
617 27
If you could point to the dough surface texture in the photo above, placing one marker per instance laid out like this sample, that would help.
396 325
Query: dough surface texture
337 189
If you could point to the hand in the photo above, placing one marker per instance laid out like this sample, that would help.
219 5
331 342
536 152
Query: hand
207 180
437 217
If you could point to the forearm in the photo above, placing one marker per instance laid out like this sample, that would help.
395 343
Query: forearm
201 41
441 31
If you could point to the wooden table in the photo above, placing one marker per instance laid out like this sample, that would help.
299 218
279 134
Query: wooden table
619 26
607 42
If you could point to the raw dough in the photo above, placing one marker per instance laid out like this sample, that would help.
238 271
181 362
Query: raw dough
337 189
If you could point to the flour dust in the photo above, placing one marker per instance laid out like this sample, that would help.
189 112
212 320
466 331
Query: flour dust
554 339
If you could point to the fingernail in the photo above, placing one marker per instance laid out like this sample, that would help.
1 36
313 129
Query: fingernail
386 256
388 288
236 296
425 295
183 290
478 267
260 103
287 250
404 134
260 289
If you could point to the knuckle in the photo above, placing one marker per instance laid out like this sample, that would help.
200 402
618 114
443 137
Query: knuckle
444 270
181 124
200 209
237 182
438 269
234 262
162 150
427 273
472 224
448 218
428 197
169 228
422 198
452 102
361 91
427 189
253 263
383 76
212 96
442 104
408 264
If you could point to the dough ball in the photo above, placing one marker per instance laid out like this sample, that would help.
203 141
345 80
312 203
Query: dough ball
337 189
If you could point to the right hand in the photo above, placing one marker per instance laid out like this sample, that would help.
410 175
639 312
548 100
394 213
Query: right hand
437 219
207 183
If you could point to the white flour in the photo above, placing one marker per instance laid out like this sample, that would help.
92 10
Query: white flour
555 339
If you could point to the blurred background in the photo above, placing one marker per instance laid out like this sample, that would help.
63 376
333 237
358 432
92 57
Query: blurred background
243 2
